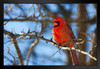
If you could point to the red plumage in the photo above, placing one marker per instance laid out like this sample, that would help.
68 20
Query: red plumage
62 34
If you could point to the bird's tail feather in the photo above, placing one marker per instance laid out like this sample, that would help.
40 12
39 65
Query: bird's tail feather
75 59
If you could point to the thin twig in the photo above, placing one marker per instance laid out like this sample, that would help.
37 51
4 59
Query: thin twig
14 63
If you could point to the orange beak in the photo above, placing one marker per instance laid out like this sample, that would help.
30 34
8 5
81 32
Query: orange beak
55 24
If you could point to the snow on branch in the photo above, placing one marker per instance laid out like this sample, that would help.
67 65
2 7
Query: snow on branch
60 46
78 50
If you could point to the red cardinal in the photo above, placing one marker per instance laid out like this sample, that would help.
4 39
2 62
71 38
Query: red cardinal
63 35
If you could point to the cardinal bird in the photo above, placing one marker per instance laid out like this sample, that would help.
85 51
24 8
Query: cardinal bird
63 35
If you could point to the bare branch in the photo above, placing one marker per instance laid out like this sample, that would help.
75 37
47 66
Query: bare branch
78 50
30 50
14 63
8 59
65 48
33 44
29 9
13 39
31 19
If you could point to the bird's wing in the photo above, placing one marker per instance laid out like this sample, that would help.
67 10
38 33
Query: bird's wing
71 32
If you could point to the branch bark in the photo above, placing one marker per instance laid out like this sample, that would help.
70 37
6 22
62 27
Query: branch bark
13 39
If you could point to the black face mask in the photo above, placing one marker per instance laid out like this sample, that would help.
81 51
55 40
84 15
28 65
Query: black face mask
57 23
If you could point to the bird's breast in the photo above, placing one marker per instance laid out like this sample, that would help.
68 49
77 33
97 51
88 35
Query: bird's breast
60 34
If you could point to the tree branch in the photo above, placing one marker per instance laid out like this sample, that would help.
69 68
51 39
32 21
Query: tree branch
34 43
60 46
14 63
13 39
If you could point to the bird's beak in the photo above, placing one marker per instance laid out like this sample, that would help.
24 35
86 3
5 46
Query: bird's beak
55 24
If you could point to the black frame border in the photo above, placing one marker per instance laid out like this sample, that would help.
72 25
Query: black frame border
43 2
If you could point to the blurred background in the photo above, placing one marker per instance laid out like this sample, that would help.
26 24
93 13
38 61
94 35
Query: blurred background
21 18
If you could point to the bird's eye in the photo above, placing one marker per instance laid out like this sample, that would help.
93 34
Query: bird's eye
57 22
